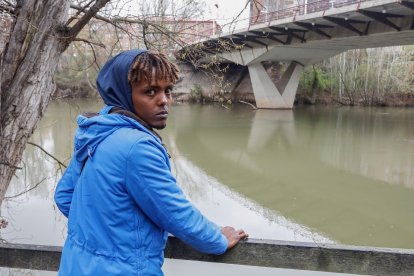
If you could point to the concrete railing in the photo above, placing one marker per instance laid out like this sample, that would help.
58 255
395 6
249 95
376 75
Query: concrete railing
264 253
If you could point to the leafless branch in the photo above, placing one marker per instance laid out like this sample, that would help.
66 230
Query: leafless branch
11 165
28 190
252 105
144 36
79 11
7 7
242 10
94 61
86 17
102 18
10 4
47 153
93 87
90 43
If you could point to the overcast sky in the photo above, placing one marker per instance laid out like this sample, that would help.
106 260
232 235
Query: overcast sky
224 11
227 9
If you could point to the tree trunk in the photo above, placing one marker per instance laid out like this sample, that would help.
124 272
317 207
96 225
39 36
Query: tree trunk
38 38
29 62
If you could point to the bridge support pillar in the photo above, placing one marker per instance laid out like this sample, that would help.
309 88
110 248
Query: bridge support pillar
269 95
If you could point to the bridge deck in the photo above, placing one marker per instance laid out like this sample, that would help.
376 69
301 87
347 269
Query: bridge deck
320 30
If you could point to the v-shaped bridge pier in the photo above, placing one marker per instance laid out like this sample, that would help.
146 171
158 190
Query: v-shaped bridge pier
270 95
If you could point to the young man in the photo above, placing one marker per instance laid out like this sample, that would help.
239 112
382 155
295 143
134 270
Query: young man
118 192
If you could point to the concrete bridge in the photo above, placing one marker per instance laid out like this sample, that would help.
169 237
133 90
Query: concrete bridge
307 34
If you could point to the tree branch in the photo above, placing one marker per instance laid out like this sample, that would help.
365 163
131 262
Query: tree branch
112 22
93 87
146 25
240 13
25 191
244 102
90 43
144 36
79 11
99 4
48 154
6 6
10 165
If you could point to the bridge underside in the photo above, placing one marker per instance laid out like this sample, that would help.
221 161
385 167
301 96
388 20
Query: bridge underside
302 38
280 95
270 95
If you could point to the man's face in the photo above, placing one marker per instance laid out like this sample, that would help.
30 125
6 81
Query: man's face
152 100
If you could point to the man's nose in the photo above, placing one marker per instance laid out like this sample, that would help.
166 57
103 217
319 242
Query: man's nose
162 99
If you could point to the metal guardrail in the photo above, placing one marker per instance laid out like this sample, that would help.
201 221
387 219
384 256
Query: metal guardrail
264 253
290 12
308 8
313 7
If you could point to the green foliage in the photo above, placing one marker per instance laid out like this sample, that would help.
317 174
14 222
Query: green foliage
314 78
196 93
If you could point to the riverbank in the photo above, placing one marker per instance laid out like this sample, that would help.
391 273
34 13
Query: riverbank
302 97
326 98
231 83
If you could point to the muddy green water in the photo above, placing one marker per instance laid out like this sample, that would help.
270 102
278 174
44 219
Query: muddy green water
319 174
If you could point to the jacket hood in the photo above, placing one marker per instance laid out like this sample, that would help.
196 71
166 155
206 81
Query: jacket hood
93 130
112 81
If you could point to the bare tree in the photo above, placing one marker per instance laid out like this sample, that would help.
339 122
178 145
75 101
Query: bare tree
371 76
154 25
40 32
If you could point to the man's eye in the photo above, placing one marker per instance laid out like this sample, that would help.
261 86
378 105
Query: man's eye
168 91
150 92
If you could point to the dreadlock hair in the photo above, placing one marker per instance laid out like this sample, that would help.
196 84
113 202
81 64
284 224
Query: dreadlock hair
145 64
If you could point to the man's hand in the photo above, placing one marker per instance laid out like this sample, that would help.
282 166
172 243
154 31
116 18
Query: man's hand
233 236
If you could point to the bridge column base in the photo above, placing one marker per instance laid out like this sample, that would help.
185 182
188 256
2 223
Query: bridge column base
269 95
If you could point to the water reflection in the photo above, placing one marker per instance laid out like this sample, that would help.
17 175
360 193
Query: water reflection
268 122
377 143
311 174
29 206
228 207
346 174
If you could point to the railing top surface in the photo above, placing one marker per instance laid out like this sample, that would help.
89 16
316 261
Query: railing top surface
265 253
250 241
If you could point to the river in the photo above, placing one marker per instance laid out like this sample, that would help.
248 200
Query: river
318 174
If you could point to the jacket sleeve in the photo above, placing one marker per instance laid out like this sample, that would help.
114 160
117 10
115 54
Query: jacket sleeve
66 186
151 184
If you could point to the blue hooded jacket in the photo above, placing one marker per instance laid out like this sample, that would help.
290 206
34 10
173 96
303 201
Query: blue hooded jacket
119 195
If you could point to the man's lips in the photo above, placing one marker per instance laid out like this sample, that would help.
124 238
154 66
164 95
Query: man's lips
162 114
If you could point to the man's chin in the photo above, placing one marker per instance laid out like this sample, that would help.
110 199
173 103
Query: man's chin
159 126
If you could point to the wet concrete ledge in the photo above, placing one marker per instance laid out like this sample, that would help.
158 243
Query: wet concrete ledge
254 252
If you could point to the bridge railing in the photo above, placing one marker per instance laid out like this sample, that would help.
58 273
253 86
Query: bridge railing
316 6
262 253
293 11
289 12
